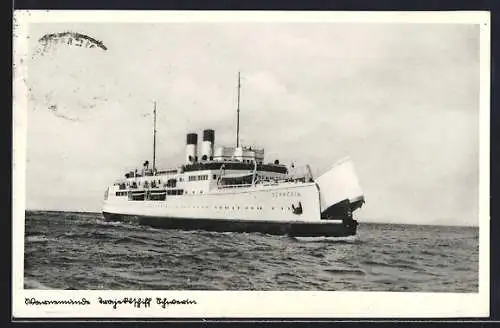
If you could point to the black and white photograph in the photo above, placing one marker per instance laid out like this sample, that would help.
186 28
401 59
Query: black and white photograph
177 154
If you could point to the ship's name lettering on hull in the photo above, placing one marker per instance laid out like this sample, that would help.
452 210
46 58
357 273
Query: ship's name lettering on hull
286 194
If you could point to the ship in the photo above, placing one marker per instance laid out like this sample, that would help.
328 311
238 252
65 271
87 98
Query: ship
233 189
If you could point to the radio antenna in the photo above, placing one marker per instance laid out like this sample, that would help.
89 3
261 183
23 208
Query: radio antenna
154 138
238 114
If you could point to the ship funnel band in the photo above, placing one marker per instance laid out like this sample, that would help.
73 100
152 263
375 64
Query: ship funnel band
209 135
191 139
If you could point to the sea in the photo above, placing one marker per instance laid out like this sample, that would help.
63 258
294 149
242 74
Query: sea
81 251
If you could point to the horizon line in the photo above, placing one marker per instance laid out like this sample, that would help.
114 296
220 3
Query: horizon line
360 221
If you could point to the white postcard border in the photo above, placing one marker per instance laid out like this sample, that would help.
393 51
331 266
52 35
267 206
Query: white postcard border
247 304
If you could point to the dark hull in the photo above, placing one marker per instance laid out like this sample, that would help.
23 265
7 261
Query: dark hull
299 229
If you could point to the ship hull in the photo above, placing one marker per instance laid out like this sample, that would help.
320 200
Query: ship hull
320 208
337 228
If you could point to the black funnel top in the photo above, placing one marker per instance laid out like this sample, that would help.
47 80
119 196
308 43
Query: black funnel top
209 135
192 139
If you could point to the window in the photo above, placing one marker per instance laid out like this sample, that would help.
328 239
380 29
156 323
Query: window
174 192
202 177
215 176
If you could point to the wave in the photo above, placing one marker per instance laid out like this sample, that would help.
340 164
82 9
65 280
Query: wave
134 241
34 284
347 239
435 253
372 262
345 271
88 234
109 224
37 239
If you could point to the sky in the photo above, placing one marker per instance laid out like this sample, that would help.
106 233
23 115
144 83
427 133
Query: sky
402 100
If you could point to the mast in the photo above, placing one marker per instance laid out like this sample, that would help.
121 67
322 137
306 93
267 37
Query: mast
238 114
154 138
